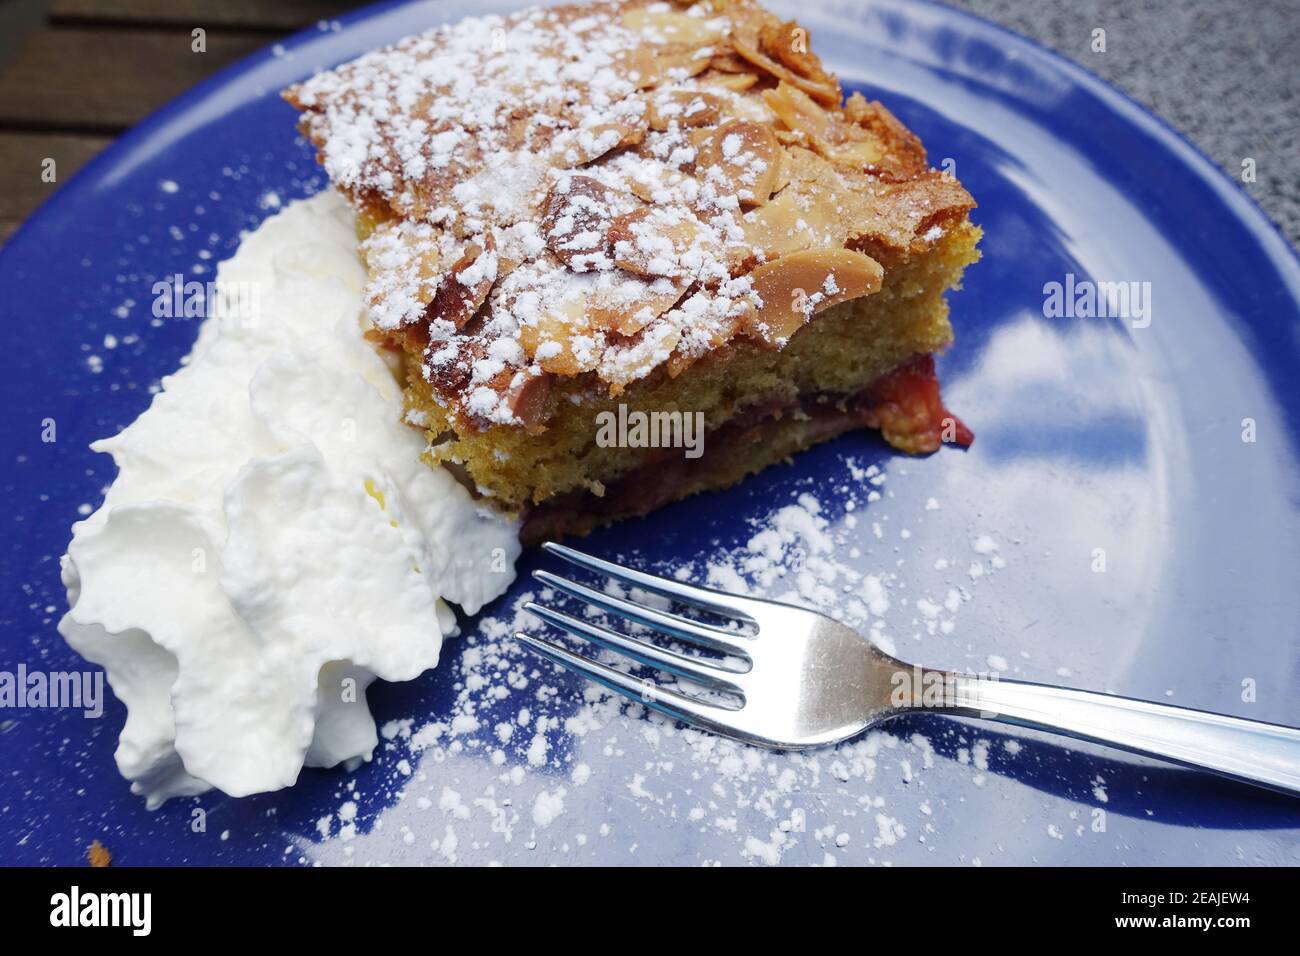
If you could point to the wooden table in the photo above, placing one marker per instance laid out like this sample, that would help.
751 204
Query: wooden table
75 73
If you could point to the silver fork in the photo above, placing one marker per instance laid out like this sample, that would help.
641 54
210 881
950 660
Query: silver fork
793 679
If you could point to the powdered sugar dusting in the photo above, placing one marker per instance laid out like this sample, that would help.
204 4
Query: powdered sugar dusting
540 760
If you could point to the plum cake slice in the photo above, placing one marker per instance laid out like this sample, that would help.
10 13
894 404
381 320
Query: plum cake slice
628 251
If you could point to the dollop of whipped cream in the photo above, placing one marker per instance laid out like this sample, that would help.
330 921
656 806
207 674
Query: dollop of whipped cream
273 541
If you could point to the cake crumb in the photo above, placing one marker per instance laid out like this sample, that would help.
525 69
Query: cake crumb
98 855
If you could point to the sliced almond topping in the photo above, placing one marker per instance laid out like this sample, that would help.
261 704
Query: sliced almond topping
506 265
465 288
741 158
686 109
449 365
655 182
646 67
657 241
407 256
735 82
826 92
789 44
858 155
730 63
623 364
577 216
791 222
586 145
902 155
679 362
799 111
796 286
670 26
662 182
631 304
843 144
904 212
371 215
817 208
784 174
715 344
810 216
560 340
788 137
528 398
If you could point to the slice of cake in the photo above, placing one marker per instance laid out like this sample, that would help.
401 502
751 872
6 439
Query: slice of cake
629 251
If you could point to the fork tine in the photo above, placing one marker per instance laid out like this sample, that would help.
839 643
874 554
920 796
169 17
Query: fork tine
647 692
714 638
727 605
692 668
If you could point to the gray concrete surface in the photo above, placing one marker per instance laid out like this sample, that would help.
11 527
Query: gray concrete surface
1226 73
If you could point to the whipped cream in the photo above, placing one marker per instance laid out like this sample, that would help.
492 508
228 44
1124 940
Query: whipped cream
273 541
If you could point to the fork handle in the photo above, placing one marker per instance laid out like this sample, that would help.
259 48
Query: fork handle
1267 755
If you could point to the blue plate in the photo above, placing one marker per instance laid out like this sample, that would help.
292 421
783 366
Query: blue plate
1128 518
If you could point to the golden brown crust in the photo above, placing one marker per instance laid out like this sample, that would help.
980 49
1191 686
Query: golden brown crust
602 191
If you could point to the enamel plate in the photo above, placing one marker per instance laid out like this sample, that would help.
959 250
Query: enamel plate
1127 520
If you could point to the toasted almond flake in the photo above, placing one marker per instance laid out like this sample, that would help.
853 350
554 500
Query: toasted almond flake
825 92
672 26
743 159
684 109
796 286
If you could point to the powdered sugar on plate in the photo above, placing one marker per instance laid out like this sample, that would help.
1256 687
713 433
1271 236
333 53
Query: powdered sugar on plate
545 766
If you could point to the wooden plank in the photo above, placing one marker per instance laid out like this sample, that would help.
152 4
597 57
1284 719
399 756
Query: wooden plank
105 80
22 157
276 15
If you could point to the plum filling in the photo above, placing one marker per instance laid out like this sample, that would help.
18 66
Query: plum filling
904 405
